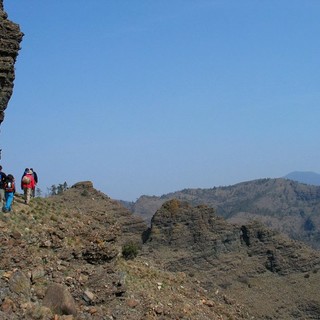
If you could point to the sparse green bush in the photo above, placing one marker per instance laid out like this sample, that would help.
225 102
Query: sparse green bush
130 251
85 193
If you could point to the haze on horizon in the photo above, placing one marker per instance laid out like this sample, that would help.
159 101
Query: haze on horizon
151 97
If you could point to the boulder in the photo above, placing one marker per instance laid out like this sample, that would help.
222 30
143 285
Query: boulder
59 300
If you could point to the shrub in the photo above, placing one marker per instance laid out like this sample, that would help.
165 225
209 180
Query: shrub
85 193
130 251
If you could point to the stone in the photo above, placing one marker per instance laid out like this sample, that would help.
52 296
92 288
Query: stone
59 300
7 305
37 273
83 185
20 284
132 303
88 296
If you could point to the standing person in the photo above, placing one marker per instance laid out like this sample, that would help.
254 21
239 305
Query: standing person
10 189
2 181
27 185
35 176
24 172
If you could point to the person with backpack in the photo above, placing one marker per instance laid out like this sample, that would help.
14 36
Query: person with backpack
27 185
2 181
35 176
10 189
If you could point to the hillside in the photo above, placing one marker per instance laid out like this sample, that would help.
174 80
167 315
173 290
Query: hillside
283 205
61 258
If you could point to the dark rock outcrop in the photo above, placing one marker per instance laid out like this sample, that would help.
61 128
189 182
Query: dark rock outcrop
206 239
10 38
243 260
283 205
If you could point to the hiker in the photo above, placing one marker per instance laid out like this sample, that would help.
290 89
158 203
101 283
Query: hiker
2 181
35 176
27 185
10 189
25 172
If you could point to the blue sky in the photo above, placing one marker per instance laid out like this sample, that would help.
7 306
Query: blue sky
150 97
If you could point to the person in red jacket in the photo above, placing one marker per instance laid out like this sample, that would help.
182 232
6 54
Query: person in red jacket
27 185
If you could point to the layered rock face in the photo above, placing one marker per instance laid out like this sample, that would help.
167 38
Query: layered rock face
10 38
283 205
249 262
207 239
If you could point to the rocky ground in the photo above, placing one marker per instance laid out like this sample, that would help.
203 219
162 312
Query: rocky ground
61 258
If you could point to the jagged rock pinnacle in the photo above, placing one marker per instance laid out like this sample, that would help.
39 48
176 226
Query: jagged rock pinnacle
10 38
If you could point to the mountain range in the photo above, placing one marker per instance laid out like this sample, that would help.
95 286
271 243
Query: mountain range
287 206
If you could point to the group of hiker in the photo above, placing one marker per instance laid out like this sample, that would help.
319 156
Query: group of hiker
29 181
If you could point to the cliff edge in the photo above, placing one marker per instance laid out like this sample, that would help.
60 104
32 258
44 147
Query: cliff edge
10 38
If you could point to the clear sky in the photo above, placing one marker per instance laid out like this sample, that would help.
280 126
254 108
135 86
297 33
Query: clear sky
150 97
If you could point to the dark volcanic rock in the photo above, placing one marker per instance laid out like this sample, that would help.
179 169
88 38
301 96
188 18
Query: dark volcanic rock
244 261
83 185
208 238
283 205
179 225
10 38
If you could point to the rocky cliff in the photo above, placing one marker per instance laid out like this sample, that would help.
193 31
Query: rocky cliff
248 262
10 38
283 205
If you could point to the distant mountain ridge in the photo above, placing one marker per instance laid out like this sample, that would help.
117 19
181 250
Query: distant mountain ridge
284 205
307 177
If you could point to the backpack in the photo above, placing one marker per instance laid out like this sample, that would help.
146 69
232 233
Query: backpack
9 186
26 180
2 179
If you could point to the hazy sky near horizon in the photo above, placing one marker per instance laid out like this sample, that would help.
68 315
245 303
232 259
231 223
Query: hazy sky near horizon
151 97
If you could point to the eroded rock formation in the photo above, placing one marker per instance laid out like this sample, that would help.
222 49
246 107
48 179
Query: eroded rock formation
10 38
243 261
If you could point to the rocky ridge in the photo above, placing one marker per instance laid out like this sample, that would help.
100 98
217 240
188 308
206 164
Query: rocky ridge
283 205
10 38
61 258
250 263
